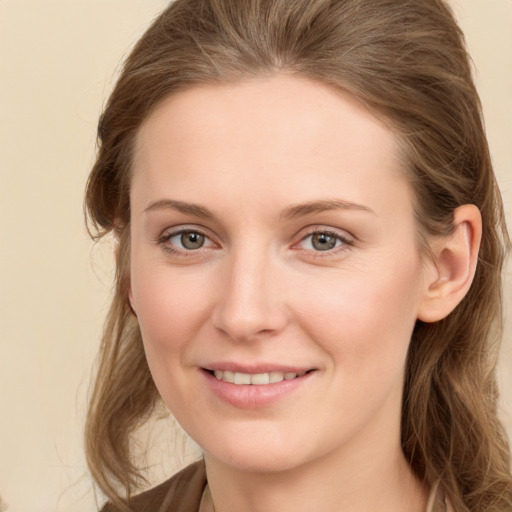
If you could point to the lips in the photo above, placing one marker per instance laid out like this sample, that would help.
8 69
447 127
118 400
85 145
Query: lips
257 386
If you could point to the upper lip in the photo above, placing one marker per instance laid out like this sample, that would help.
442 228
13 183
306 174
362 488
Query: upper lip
256 368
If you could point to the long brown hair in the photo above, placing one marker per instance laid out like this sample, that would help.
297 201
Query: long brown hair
407 62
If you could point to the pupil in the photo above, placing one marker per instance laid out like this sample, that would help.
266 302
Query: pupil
192 240
323 241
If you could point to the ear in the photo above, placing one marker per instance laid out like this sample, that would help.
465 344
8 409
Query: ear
451 272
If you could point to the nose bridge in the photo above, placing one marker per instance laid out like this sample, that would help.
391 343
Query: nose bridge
250 301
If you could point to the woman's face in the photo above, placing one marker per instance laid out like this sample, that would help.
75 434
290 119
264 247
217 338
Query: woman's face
274 270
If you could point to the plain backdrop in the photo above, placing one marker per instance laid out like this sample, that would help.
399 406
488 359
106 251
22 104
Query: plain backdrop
58 61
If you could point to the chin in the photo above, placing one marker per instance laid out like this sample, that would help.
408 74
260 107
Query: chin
266 455
257 462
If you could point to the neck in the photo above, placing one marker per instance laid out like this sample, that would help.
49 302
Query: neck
343 481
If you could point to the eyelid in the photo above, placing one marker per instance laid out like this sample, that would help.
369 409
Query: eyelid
170 232
346 239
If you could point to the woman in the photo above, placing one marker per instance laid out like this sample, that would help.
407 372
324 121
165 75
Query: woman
310 244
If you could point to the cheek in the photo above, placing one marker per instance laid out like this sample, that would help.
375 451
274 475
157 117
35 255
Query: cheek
364 318
170 307
170 313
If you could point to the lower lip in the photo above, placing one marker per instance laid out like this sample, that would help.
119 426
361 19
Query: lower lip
250 396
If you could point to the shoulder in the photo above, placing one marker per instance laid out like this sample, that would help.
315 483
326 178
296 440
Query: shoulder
181 493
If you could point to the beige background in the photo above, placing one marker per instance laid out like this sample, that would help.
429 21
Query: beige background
57 64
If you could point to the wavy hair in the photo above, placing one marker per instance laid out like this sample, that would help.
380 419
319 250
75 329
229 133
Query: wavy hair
408 63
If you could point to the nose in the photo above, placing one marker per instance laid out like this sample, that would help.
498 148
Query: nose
251 298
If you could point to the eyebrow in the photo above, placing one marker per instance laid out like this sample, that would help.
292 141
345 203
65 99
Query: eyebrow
301 210
291 212
180 206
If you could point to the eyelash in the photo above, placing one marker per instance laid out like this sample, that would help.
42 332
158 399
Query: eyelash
163 241
344 242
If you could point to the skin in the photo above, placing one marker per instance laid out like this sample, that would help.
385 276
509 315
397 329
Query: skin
259 292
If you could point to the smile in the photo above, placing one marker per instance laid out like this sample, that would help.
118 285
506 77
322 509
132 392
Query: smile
256 388
255 379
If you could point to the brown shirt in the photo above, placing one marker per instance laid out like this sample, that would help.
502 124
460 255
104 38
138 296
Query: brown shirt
185 490
182 493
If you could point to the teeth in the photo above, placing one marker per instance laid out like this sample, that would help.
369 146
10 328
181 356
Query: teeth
276 376
242 378
228 376
256 379
260 378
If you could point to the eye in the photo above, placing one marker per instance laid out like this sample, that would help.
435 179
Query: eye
189 240
323 241
184 241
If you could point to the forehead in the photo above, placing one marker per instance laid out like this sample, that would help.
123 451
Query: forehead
286 137
259 105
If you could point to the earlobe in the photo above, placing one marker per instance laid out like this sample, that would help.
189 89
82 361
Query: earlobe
454 265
